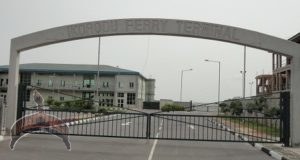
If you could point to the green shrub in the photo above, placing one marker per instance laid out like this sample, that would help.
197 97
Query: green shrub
53 107
251 107
50 101
236 107
102 110
224 108
78 105
261 103
57 103
271 112
172 107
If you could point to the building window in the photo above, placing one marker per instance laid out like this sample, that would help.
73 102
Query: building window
87 95
131 85
120 94
1 82
25 78
105 84
39 82
130 98
61 98
106 94
88 81
6 81
120 102
27 95
109 102
62 83
50 83
102 103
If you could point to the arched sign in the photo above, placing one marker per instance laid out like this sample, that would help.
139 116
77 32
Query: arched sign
146 26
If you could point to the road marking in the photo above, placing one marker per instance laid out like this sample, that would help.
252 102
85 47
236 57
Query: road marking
126 124
155 141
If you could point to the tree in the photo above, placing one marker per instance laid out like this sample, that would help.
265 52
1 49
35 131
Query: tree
236 107
224 108
261 103
251 107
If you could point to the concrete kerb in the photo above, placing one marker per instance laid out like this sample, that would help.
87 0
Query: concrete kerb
259 146
88 120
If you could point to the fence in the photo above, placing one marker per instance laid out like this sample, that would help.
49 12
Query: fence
159 125
155 126
214 128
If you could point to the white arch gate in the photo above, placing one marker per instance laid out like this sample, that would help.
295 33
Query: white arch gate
155 26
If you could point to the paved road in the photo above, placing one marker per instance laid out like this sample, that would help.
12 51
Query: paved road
46 147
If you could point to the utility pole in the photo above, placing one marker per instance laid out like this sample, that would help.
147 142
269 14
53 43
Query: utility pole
219 81
98 73
251 83
181 81
244 73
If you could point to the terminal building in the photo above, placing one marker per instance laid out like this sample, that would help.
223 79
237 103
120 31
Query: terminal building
280 80
66 82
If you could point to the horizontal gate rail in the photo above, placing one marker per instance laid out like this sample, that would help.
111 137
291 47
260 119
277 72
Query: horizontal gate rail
124 125
215 128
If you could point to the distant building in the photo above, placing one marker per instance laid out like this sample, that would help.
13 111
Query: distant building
66 82
264 84
280 80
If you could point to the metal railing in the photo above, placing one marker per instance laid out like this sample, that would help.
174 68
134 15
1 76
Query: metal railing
215 128
164 126
123 125
159 125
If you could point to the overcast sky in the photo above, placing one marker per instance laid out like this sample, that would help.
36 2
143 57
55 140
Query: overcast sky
158 57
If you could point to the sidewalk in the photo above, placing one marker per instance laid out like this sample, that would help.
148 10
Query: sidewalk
287 153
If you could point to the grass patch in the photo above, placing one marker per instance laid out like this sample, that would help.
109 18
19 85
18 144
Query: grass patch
258 127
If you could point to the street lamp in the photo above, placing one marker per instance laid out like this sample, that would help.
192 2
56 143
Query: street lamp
243 83
181 82
207 60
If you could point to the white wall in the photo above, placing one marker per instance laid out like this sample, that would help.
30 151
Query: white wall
74 86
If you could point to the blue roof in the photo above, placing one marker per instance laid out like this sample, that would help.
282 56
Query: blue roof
71 68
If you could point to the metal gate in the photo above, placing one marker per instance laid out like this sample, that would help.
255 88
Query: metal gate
169 126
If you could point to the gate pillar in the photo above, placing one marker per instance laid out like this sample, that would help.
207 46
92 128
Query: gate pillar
295 102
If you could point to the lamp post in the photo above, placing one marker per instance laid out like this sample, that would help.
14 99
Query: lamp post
251 83
219 81
181 82
244 74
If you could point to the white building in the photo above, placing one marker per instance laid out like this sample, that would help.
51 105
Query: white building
65 82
